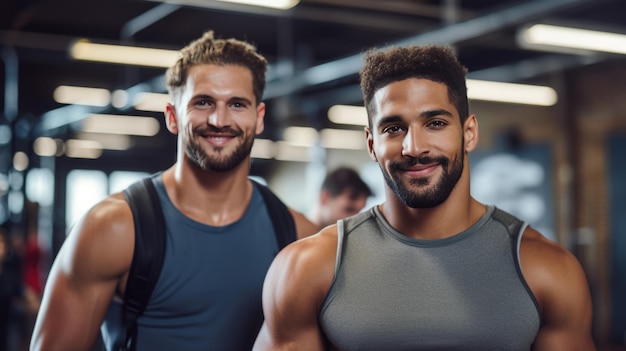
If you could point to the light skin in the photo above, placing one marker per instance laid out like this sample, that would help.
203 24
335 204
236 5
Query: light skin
414 118
332 208
216 112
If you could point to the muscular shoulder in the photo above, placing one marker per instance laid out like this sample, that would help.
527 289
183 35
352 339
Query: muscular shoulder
101 243
306 265
549 269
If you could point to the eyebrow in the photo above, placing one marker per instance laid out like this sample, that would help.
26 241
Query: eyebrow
425 115
239 99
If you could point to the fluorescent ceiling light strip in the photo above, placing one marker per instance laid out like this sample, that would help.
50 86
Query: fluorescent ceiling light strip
511 93
301 136
276 4
343 139
65 94
575 38
153 102
117 124
83 149
128 55
345 114
263 148
108 141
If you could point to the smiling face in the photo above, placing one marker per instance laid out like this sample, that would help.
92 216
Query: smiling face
216 117
418 141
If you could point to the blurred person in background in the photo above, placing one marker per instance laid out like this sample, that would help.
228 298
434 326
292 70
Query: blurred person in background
343 193
11 288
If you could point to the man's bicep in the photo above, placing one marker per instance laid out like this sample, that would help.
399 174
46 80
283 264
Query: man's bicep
568 312
71 312
290 306
81 284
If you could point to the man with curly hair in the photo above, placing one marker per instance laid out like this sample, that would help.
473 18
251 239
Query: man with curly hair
430 268
220 240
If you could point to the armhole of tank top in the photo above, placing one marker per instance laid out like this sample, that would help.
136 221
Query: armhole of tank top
518 245
340 233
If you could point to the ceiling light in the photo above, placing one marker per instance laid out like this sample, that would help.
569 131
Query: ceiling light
127 55
72 95
117 124
286 151
344 114
83 149
44 146
108 141
276 4
511 93
300 136
343 139
153 102
549 37
263 148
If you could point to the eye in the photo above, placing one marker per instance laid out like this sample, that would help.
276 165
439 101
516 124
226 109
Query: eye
437 124
203 103
392 129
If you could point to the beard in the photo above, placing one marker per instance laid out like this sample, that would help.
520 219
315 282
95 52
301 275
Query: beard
221 162
430 196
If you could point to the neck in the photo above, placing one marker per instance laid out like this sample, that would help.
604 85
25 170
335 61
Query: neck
213 198
456 214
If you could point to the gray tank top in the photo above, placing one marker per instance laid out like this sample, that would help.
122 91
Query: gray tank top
208 296
465 292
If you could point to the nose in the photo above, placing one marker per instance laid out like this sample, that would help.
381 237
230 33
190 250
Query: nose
218 117
414 143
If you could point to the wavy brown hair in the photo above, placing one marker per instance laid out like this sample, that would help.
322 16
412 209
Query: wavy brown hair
208 50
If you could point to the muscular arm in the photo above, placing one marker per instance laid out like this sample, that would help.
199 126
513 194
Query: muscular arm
560 286
84 278
293 292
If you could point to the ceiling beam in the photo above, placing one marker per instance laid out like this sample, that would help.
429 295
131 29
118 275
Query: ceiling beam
446 35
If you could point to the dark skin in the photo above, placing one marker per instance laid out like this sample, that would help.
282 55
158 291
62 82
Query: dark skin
414 117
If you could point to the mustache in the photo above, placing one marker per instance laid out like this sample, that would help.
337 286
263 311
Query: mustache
397 166
215 130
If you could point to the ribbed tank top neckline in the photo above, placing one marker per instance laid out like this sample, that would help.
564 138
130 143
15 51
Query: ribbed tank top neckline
390 231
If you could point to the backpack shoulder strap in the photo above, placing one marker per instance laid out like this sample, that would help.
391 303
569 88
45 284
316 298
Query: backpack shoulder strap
282 220
148 253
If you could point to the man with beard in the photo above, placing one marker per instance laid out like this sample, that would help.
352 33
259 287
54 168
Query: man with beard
430 268
220 240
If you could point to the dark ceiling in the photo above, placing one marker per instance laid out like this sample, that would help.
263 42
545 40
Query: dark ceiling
36 34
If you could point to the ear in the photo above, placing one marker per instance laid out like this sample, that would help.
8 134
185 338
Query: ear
260 118
170 118
369 139
470 131
324 197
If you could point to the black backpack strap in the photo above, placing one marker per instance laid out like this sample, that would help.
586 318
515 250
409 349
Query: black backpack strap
148 254
282 220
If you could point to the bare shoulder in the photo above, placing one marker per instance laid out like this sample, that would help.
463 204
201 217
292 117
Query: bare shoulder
318 249
306 265
550 270
101 243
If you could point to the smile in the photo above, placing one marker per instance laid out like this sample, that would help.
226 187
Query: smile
421 171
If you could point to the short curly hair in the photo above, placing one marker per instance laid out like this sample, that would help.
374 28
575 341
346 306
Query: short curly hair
396 63
208 50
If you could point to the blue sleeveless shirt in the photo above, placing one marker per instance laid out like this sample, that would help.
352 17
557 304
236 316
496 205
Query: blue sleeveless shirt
208 296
